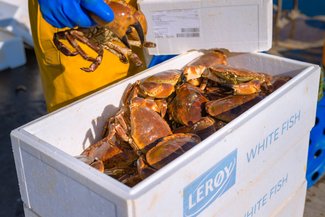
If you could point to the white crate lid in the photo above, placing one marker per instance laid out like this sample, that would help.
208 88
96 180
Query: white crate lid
182 25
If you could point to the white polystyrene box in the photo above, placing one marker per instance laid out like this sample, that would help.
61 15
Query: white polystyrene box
273 193
12 51
14 18
54 183
29 212
295 204
181 25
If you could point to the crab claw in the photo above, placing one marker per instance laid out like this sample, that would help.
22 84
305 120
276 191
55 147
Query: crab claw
94 162
125 41
125 17
140 31
123 35
124 38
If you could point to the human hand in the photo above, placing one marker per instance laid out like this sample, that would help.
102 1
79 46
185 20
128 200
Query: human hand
71 13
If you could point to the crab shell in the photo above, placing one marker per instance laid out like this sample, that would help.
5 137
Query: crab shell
217 107
233 113
194 69
205 127
186 107
147 126
104 152
125 16
242 81
166 150
160 85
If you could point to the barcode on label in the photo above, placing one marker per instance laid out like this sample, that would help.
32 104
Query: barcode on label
190 30
188 35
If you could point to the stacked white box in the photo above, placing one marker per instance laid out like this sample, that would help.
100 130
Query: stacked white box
295 204
53 183
12 51
272 188
29 212
181 25
14 18
12 34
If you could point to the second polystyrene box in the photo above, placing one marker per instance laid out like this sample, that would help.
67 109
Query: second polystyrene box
199 183
294 205
272 189
181 25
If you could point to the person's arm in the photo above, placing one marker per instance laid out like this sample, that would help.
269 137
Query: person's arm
72 13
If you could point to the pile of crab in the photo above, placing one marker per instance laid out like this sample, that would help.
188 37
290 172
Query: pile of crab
166 114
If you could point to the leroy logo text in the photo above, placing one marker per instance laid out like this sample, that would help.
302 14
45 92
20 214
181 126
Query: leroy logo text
209 186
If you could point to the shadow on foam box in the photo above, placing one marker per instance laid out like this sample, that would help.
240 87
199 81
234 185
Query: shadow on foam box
203 181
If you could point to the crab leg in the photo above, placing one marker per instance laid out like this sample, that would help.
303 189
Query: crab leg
120 55
60 46
126 52
125 41
139 30
73 42
96 61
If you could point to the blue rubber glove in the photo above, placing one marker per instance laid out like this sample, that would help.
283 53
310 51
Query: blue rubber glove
72 13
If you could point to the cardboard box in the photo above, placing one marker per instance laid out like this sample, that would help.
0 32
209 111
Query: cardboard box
295 204
181 25
54 183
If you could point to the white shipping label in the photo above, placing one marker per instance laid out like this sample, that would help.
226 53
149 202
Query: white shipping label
176 23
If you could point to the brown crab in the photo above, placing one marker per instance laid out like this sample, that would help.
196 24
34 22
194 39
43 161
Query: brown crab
213 66
230 107
117 36
193 70
186 107
242 81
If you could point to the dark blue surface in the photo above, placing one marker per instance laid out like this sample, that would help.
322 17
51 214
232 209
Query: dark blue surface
316 153
159 59
307 7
